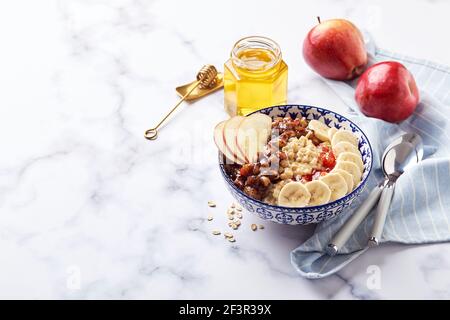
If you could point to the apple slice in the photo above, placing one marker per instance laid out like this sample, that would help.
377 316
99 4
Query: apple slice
230 132
220 143
253 134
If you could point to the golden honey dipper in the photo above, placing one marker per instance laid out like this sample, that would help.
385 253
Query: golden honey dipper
206 78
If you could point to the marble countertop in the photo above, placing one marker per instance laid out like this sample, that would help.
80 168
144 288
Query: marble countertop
90 209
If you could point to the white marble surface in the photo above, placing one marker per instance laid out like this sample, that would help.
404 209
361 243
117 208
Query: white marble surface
84 197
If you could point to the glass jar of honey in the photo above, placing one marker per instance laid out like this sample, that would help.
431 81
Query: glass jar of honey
255 76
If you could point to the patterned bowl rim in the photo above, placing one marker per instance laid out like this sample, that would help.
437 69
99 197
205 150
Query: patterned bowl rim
311 208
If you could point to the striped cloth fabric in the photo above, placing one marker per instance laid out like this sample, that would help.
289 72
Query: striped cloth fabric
420 209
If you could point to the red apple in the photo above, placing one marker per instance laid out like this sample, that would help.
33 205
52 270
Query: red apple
335 49
387 91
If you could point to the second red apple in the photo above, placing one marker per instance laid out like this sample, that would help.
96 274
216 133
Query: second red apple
387 91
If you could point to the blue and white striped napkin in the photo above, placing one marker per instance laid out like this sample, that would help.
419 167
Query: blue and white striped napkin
420 208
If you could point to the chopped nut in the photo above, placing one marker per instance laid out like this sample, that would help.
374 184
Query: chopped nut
230 217
233 206
210 218
211 204
264 181
261 226
239 215
239 208
228 235
230 211
232 239
216 232
234 226
237 222
254 227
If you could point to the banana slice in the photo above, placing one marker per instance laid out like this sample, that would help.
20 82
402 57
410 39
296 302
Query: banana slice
320 192
347 177
331 133
352 157
345 146
320 129
344 135
294 194
337 185
351 168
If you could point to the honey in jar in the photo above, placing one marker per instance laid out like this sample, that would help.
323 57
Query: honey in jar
255 76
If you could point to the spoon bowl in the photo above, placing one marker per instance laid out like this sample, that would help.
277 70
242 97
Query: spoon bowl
401 154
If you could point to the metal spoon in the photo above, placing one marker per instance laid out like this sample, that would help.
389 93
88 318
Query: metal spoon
395 161
347 230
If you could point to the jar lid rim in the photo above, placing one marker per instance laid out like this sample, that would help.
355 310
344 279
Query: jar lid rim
258 42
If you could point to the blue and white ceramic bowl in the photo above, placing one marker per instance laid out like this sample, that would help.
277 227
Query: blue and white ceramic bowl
306 215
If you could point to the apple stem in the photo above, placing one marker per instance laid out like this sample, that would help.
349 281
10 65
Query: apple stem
318 19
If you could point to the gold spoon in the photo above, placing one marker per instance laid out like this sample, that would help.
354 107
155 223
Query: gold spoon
206 78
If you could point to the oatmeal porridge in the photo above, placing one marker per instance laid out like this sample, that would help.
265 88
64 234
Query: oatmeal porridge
304 163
